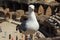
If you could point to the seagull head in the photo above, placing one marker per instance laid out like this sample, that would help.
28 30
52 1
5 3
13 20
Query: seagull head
31 8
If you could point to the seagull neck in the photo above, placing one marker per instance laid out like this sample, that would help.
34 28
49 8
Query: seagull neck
31 12
32 16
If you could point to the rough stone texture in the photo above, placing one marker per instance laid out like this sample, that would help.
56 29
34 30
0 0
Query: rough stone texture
42 18
41 10
1 9
48 11
11 13
48 1
10 28
20 13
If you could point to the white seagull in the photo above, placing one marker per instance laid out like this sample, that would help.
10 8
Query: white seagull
31 25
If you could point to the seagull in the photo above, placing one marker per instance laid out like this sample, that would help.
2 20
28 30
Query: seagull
30 25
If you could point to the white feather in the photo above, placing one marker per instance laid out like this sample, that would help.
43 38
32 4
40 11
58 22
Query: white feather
32 22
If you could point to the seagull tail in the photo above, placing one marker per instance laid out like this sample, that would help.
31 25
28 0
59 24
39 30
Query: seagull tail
18 27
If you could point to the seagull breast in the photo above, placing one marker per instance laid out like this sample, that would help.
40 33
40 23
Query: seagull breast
32 22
